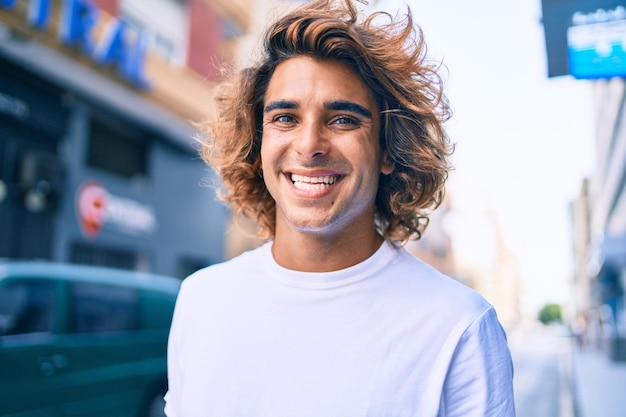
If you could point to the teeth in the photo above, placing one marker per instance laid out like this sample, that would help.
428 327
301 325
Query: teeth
312 183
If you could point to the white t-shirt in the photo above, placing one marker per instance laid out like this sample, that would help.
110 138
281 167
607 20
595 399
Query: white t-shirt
390 336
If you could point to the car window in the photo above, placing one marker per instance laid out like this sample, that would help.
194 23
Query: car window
97 308
26 306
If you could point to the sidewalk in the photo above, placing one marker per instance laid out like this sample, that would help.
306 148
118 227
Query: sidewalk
599 384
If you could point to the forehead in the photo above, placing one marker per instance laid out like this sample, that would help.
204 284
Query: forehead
303 78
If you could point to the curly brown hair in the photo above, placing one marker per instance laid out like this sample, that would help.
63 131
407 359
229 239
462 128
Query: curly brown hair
391 58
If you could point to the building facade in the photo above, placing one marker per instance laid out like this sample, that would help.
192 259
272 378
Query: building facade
599 218
98 104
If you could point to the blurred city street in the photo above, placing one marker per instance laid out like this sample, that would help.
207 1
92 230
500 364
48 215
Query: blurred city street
599 384
554 378
537 357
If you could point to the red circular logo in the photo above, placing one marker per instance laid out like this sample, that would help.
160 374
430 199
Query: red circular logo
91 204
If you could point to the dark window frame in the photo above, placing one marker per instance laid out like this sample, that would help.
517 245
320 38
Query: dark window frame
117 147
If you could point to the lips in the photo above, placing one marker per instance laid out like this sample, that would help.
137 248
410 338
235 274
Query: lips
306 183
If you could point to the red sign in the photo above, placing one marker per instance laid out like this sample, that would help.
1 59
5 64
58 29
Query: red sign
97 207
91 201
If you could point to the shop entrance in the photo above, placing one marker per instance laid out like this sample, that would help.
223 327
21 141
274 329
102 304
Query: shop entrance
30 181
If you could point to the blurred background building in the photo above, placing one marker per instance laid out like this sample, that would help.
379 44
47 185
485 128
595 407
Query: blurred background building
585 39
599 223
98 162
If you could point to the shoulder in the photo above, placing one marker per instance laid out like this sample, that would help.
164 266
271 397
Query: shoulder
217 288
225 274
434 288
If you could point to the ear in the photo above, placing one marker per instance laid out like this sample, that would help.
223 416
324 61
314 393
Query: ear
387 165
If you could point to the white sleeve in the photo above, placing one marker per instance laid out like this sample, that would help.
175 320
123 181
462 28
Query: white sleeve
479 382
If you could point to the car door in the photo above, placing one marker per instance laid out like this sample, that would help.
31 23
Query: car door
30 362
105 376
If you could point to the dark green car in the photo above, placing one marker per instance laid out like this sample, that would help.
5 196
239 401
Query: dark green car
83 341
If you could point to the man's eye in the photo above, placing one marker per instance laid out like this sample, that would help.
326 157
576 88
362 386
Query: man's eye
284 118
345 120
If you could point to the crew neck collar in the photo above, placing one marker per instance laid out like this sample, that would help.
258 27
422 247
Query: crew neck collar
323 280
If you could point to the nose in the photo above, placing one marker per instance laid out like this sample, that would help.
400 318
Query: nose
310 141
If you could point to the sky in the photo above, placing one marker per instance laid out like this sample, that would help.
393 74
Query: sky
524 142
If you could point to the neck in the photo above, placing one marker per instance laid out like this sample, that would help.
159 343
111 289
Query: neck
309 252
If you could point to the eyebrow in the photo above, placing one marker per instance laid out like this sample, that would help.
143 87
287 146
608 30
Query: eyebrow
280 104
349 106
333 105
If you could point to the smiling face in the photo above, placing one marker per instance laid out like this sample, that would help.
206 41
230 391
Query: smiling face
320 152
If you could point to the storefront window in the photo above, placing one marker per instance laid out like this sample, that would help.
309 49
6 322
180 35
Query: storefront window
117 151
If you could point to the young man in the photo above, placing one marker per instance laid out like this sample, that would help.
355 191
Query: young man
335 144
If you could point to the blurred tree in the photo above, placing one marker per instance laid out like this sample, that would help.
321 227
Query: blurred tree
550 313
